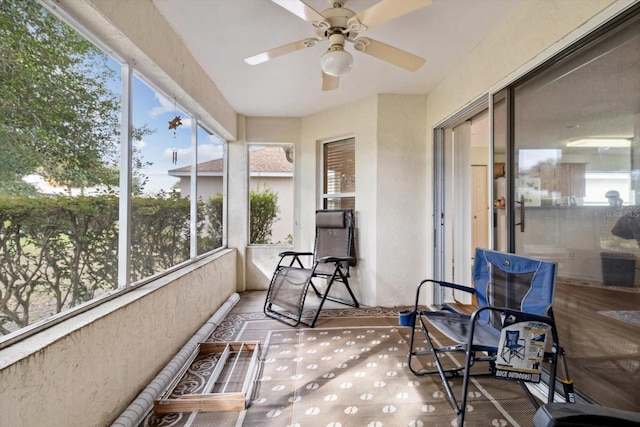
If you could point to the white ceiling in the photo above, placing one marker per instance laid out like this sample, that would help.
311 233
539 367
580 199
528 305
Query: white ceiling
221 33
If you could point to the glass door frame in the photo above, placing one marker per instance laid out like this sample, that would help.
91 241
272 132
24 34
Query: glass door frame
512 210
443 222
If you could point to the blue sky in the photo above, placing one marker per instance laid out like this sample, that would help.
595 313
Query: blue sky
156 111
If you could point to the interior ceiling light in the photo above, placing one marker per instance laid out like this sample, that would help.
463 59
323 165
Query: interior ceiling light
601 142
336 61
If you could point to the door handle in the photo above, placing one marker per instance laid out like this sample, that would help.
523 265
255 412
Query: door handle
521 223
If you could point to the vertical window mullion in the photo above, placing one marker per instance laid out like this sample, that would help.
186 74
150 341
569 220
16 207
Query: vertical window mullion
193 206
126 155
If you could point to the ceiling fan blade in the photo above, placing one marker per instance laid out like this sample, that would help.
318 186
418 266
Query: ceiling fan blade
329 82
302 10
384 11
392 55
279 51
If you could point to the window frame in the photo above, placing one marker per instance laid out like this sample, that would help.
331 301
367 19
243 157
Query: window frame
340 195
250 175
127 73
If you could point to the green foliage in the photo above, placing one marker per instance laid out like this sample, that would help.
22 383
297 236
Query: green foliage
60 118
212 209
64 251
62 247
160 234
264 212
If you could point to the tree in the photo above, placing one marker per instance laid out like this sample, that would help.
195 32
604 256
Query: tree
263 213
213 212
60 117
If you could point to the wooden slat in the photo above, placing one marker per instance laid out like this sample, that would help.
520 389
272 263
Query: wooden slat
225 402
208 401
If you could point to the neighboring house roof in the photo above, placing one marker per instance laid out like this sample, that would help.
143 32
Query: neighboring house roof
269 159
265 160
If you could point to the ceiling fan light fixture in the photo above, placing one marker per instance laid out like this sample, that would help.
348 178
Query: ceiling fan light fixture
336 62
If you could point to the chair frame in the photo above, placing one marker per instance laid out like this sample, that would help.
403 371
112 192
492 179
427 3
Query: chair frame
473 351
339 273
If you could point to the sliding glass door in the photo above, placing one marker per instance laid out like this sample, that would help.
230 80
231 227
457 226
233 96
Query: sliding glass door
576 201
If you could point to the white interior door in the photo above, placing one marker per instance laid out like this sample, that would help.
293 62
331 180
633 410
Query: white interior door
479 208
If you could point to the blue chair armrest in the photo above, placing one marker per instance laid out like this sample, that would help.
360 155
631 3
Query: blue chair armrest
457 287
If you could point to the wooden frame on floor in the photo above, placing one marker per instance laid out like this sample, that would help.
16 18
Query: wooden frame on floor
227 389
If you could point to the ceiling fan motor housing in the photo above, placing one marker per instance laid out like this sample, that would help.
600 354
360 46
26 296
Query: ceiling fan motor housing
338 19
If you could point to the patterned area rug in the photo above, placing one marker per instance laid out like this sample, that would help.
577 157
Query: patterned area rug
351 370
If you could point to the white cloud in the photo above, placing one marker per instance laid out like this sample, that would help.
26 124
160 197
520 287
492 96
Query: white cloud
206 152
186 122
184 154
209 152
166 106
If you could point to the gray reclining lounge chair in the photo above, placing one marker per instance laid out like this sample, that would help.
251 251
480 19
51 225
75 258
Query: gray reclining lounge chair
333 254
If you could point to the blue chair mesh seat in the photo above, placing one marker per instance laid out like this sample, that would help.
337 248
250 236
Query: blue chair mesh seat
509 289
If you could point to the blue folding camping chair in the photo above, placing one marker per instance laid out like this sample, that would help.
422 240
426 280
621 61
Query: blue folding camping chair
513 293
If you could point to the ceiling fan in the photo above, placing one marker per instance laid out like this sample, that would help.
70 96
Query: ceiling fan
339 25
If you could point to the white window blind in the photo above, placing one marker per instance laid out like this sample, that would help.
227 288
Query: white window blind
339 174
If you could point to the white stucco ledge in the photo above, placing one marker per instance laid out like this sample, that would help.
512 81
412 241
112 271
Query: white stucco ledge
43 339
141 406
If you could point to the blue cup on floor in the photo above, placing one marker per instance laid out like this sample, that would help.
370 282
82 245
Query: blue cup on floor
407 318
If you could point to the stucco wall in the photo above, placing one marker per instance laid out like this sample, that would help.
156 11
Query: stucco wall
86 370
357 119
390 135
402 218
262 260
533 32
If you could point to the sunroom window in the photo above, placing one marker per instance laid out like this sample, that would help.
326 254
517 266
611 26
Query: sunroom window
63 133
270 194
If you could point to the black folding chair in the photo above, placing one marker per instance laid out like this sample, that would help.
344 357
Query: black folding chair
510 329
334 253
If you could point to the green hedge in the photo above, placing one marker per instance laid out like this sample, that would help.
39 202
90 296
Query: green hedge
59 252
